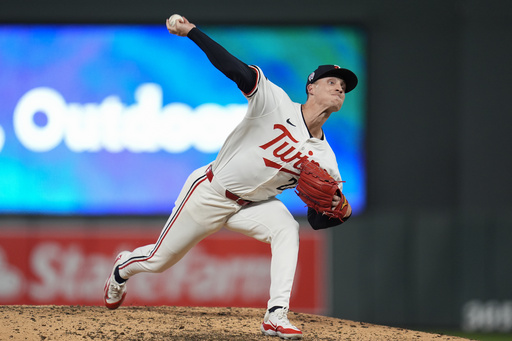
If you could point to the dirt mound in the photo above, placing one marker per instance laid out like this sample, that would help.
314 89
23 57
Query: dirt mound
179 323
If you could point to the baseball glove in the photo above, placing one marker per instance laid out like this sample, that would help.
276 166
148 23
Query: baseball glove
317 189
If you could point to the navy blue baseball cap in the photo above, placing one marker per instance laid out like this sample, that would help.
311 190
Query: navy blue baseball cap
323 71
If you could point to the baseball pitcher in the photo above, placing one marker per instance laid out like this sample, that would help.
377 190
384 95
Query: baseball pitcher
278 145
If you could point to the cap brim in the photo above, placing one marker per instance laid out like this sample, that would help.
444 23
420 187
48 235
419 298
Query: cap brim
348 77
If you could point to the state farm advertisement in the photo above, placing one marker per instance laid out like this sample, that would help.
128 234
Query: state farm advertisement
70 266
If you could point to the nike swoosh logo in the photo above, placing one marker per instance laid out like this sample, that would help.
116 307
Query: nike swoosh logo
289 122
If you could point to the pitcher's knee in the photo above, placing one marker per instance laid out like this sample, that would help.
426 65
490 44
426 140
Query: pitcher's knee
288 232
159 263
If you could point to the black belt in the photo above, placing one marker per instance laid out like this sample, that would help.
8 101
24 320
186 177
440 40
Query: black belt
229 195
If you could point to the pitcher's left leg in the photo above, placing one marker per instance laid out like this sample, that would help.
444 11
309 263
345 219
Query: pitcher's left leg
271 222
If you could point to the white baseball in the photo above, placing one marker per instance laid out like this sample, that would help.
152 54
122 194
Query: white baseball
173 18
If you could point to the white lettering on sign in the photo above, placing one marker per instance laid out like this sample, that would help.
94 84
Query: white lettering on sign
202 277
145 126
11 280
487 316
68 272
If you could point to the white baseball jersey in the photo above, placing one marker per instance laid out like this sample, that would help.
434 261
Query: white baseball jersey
260 158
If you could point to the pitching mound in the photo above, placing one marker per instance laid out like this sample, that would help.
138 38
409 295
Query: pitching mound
179 323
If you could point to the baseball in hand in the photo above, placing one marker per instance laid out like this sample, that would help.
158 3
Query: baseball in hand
173 18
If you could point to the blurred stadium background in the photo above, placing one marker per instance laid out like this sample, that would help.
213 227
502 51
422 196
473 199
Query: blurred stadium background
430 245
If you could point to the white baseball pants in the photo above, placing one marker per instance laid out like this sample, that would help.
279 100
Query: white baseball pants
200 211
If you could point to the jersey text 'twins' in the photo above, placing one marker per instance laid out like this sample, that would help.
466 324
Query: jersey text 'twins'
288 155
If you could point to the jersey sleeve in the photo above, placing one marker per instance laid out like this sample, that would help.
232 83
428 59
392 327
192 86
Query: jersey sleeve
243 75
319 221
266 97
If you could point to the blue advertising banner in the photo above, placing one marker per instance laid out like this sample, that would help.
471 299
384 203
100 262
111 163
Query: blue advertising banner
111 119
